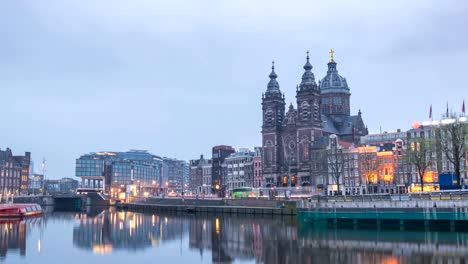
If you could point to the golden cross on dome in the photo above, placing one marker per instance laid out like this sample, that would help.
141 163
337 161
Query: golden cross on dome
331 55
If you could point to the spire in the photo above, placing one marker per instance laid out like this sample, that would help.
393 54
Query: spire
308 66
273 86
308 78
332 63
331 55
273 73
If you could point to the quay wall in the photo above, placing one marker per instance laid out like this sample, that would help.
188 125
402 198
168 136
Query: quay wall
236 210
417 200
46 200
387 204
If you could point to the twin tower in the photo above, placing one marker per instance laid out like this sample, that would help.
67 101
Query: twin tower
289 137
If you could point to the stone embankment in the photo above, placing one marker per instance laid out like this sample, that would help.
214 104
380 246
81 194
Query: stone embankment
218 206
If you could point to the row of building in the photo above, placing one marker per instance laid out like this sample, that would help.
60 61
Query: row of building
136 171
17 177
111 171
226 170
318 143
377 163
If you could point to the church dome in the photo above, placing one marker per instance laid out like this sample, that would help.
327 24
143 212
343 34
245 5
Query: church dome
333 82
273 86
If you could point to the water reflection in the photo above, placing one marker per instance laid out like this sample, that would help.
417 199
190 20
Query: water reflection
111 230
224 239
13 235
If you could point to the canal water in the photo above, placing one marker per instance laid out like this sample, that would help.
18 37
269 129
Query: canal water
109 236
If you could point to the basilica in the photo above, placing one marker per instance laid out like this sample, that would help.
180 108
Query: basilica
321 110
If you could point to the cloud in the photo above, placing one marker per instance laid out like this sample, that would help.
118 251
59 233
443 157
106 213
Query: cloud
177 77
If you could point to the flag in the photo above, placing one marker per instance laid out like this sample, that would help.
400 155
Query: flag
463 107
430 112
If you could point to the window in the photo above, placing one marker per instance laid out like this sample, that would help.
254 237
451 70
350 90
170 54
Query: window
305 111
269 117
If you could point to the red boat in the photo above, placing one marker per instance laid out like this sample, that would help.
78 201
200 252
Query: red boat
19 210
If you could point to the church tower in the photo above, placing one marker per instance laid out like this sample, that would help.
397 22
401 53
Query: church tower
308 98
309 120
273 106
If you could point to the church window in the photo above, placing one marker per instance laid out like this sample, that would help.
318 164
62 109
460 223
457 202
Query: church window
337 100
269 117
305 110
279 116
316 111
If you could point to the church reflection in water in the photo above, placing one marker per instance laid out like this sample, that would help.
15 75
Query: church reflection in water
265 240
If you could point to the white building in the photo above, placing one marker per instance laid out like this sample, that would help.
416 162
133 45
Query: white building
431 130
239 167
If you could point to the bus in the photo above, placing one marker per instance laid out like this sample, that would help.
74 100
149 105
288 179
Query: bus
243 192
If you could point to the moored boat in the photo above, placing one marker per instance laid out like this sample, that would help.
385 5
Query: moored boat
19 210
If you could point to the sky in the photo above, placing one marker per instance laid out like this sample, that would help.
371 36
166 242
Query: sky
178 77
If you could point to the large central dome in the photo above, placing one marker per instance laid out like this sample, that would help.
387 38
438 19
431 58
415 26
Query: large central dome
333 82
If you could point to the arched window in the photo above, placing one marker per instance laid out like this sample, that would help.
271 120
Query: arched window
305 111
269 117
316 111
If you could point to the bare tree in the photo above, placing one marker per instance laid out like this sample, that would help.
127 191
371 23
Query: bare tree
420 155
453 139
319 167
368 165
336 160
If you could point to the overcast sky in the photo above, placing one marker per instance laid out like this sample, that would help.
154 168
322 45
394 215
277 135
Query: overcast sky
178 77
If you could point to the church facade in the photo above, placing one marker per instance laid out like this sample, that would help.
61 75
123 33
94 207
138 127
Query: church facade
288 137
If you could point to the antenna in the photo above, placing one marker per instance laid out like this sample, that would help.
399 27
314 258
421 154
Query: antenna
43 165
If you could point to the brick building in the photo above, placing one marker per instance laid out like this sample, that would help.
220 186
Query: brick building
14 172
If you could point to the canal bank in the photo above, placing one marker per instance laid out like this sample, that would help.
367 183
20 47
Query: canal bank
448 211
67 202
218 206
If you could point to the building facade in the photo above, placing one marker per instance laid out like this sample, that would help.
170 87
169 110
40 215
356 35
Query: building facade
175 174
442 151
35 183
257 168
14 172
62 186
240 169
200 176
104 170
288 137
219 154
